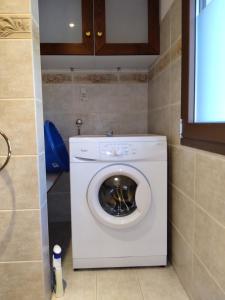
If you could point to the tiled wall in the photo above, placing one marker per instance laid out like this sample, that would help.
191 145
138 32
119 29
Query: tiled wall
196 178
115 100
24 269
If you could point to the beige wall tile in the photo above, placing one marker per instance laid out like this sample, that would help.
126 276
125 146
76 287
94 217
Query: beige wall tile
20 83
198 175
18 122
100 97
60 98
16 80
15 6
176 17
174 134
176 49
18 184
182 260
165 33
183 169
117 106
116 98
210 245
182 215
160 283
100 123
160 90
20 235
173 53
159 121
210 187
21 281
204 286
175 81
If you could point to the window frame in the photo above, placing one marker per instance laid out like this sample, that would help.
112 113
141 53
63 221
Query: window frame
206 136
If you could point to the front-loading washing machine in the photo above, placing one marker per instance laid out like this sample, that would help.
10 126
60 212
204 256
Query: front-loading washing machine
118 201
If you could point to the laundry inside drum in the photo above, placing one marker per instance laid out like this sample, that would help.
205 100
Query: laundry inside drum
117 195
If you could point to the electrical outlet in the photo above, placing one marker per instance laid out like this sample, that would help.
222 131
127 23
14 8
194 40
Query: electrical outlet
83 94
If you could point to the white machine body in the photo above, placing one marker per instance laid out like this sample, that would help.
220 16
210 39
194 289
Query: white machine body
118 201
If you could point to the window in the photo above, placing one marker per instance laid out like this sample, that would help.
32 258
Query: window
203 65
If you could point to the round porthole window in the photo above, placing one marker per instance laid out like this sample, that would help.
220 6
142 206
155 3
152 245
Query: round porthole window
117 195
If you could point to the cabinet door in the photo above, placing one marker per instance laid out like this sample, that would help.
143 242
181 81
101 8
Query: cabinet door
66 27
127 27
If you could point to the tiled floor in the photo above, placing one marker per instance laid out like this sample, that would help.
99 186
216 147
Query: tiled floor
121 284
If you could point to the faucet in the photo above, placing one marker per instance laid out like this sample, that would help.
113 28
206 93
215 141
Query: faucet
109 133
79 123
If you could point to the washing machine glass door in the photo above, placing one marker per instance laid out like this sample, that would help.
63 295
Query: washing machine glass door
119 196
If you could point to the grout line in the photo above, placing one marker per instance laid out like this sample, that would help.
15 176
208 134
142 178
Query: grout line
195 254
18 210
17 99
165 106
93 71
18 39
20 262
200 207
194 220
187 292
96 285
179 190
28 14
174 264
25 155
210 274
182 236
139 283
167 52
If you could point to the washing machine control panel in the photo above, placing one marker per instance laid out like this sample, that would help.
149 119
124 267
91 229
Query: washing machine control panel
113 151
86 150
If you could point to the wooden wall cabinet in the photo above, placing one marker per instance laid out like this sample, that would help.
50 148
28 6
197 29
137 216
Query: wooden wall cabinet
104 27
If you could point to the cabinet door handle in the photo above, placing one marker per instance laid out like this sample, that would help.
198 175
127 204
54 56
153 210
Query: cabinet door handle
88 33
99 34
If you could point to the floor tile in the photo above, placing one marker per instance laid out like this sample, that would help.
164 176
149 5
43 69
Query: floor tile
160 284
118 284
80 285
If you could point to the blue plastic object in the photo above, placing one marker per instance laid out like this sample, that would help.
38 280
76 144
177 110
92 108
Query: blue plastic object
56 154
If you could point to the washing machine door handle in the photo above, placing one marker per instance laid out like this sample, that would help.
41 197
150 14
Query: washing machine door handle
143 197
85 159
